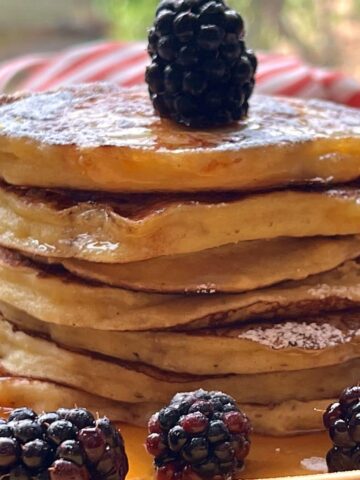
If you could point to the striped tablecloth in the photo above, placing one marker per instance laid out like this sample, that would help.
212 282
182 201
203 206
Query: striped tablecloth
124 63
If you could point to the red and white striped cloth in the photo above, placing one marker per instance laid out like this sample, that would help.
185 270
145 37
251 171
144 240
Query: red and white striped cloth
124 63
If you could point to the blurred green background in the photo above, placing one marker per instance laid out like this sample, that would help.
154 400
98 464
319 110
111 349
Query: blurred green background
324 32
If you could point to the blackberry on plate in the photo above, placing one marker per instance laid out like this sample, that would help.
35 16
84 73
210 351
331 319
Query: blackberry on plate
22 414
69 443
199 435
201 73
342 420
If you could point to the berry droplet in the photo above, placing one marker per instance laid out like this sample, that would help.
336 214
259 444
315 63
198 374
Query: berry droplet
155 444
194 422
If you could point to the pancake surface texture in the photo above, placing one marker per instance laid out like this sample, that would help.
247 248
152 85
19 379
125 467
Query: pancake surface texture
139 258
27 356
251 348
283 419
230 268
48 294
118 229
101 137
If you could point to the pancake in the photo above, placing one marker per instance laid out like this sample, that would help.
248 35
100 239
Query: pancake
100 137
46 396
24 355
124 229
283 419
55 296
226 269
247 349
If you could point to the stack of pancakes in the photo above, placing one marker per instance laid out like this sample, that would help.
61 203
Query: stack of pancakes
139 258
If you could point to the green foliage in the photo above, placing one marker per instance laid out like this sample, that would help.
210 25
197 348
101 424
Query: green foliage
307 26
129 18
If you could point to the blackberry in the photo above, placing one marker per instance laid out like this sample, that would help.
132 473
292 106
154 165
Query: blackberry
36 454
19 473
72 451
6 430
342 420
62 412
61 430
22 414
80 417
9 452
201 73
109 432
26 430
93 443
199 435
69 443
48 418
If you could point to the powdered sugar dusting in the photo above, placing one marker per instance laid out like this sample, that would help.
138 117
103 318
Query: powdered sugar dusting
312 335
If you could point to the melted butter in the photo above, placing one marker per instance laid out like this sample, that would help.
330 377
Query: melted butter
269 457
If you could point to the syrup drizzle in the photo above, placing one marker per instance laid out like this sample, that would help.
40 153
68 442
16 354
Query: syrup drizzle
269 456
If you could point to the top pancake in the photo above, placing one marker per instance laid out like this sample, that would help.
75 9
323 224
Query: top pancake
101 137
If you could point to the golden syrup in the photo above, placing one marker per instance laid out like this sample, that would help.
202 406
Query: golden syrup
5 412
269 456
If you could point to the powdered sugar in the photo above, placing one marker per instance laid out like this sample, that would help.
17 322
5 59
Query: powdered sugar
305 335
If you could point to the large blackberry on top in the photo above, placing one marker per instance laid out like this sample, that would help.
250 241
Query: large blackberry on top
199 435
201 73
62 445
342 419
